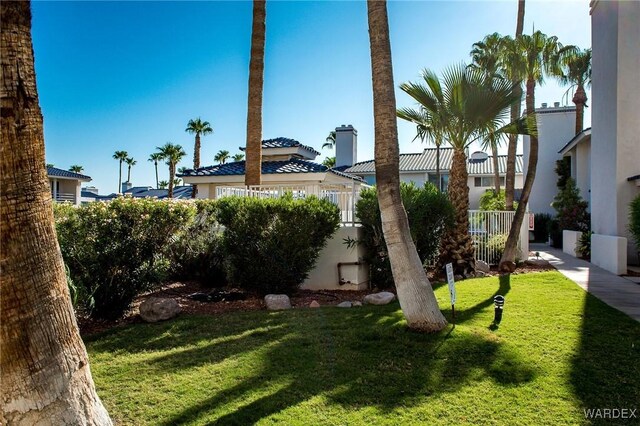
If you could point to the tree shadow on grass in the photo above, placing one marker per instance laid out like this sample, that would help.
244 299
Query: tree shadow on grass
466 314
365 357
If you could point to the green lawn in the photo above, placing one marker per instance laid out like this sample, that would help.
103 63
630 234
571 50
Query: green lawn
557 351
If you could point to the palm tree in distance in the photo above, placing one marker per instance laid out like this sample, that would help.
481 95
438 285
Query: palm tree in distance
49 165
539 53
120 156
465 105
329 162
415 294
330 140
253 165
198 128
238 157
163 184
130 163
76 168
171 154
154 158
222 156
574 70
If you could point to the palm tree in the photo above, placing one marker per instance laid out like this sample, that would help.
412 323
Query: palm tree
329 162
330 140
76 168
163 184
253 167
154 158
513 69
238 157
171 154
539 53
486 56
415 294
574 70
464 106
45 369
222 156
130 163
199 128
182 169
120 156
177 182
49 165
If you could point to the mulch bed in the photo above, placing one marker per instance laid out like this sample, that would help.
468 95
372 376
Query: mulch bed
301 299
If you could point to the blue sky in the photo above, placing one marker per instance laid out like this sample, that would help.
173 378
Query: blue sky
129 75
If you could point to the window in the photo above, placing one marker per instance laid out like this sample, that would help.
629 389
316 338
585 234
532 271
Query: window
444 181
486 181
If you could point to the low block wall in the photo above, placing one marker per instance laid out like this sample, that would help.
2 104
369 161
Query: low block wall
609 252
325 274
570 241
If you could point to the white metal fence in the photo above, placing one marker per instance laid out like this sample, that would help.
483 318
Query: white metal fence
489 230
344 196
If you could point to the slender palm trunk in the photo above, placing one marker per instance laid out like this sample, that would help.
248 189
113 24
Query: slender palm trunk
253 164
129 174
44 370
155 163
196 163
507 262
172 176
580 99
457 246
510 179
120 179
496 169
415 294
438 167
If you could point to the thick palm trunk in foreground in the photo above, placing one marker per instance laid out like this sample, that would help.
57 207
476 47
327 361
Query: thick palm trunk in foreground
507 262
457 246
253 164
415 294
45 374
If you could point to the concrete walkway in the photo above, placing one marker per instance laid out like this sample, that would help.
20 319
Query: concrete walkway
618 292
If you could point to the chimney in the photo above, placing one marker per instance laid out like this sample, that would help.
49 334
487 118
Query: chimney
556 104
346 145
544 105
126 186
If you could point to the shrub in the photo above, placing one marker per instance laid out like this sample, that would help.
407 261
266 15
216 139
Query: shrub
114 250
541 227
555 233
571 208
496 245
271 245
429 212
634 220
196 250
489 201
583 248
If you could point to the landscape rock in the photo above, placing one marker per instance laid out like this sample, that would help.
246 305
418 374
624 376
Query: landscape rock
480 274
381 298
314 304
356 303
537 262
158 309
275 302
346 304
482 266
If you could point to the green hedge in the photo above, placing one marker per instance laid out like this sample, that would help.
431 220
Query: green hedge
429 212
489 201
271 245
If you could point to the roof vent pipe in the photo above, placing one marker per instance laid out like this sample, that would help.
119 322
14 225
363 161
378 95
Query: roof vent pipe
544 105
556 104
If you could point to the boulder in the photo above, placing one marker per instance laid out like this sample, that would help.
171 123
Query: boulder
314 304
157 309
480 274
276 302
482 266
344 304
537 262
356 303
381 298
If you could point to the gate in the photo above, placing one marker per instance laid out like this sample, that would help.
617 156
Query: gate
489 231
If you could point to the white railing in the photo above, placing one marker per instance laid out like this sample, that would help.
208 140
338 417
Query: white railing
62 197
344 196
489 230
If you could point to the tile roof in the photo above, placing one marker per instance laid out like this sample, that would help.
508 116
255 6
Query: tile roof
284 143
56 172
293 165
179 192
426 162
576 140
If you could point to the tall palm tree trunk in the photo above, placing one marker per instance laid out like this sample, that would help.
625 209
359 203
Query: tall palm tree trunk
439 184
120 179
415 294
129 174
496 169
507 262
172 175
155 163
510 178
196 163
44 370
253 165
580 99
457 246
